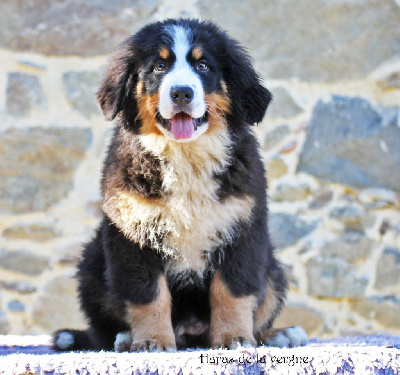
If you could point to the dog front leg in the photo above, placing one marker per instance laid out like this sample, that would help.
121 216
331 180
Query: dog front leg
151 325
231 317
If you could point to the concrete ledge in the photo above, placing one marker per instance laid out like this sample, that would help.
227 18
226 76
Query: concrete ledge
345 355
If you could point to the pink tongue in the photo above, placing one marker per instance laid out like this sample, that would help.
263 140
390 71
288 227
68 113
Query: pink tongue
182 125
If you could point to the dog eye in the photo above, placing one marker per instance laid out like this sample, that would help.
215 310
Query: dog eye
160 66
202 66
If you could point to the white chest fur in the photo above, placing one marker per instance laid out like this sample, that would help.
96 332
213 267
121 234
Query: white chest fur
190 218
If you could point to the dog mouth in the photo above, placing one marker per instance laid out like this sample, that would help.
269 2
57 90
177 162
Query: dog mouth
181 124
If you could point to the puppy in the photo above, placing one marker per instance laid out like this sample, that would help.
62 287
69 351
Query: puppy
182 257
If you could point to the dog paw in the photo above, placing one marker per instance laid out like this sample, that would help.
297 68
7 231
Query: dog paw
234 343
284 337
63 340
152 346
123 342
240 342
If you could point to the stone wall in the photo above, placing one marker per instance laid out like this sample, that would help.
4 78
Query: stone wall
330 141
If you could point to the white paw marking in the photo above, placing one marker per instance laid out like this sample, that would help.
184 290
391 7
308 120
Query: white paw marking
288 338
123 341
279 340
65 340
297 336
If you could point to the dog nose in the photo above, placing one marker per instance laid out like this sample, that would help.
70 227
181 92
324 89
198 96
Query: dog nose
181 95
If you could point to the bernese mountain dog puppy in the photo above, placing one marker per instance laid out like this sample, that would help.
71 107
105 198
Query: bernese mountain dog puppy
182 257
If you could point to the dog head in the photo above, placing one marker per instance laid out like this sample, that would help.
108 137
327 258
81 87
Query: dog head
179 78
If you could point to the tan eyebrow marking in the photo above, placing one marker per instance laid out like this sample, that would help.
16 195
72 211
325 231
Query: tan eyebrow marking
164 53
197 53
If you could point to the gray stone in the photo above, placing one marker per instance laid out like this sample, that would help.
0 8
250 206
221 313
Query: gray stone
351 143
334 278
388 269
312 39
291 193
301 315
23 261
24 93
286 230
21 287
4 326
276 168
31 232
37 166
58 307
283 104
71 27
352 247
353 218
16 306
321 198
80 88
386 311
275 136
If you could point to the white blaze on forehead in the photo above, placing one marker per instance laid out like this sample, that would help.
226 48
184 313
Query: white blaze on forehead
181 74
181 45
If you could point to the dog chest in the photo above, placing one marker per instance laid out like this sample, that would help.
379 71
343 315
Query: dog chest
189 220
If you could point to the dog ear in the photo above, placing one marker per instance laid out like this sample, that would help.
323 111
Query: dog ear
247 94
119 79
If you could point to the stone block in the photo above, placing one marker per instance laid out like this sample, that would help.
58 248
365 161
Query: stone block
300 315
73 27
311 39
388 269
276 168
275 136
291 193
21 287
4 325
283 104
351 143
24 93
321 198
334 278
37 166
30 232
80 88
16 306
354 218
385 310
286 230
23 261
352 247
57 307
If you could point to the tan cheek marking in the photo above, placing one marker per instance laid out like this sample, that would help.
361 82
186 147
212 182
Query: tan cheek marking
164 53
152 322
231 317
218 107
197 53
266 309
147 105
